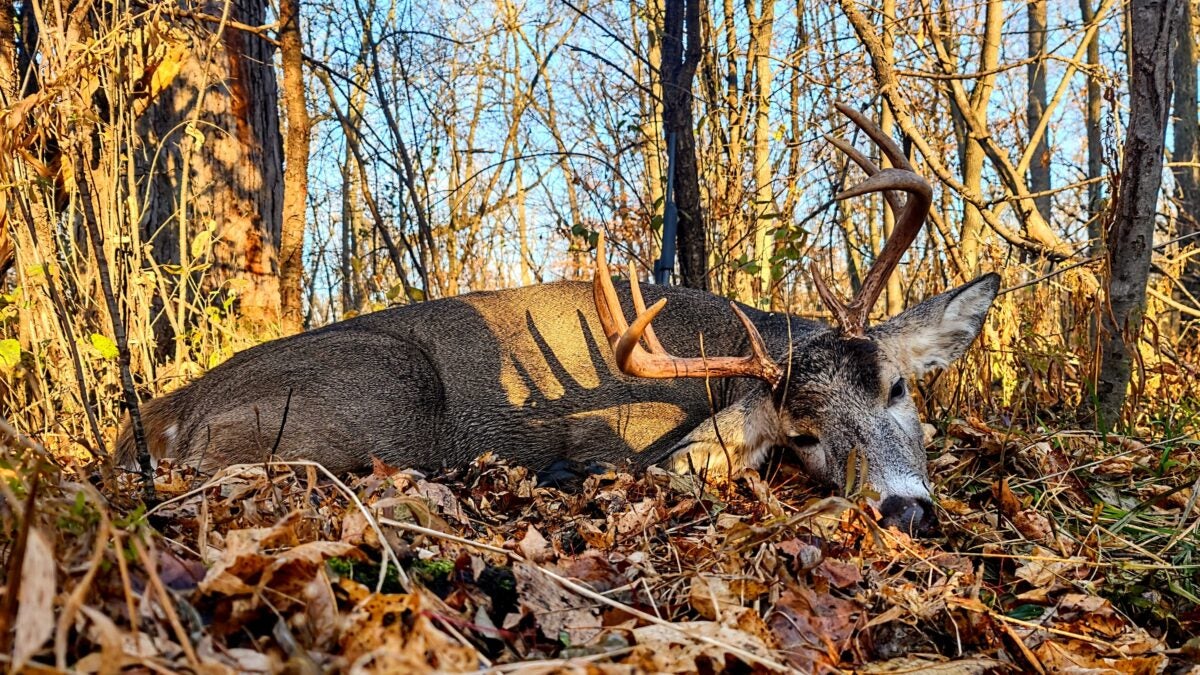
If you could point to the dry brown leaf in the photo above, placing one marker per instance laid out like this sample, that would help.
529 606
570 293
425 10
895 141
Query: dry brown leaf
298 565
392 634
933 666
637 518
812 628
443 499
1047 574
1074 656
1031 524
534 546
840 574
35 606
664 650
711 596
558 612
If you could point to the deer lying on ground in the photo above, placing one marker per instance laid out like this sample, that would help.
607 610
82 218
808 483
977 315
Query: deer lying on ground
553 372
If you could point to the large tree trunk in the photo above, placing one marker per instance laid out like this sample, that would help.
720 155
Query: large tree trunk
677 72
212 140
1130 235
1186 153
295 175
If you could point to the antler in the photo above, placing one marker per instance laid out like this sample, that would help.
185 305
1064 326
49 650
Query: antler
655 362
852 316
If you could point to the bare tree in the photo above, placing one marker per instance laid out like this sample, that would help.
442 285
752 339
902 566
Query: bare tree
1039 168
212 153
1095 147
1130 235
766 213
1185 156
295 174
682 19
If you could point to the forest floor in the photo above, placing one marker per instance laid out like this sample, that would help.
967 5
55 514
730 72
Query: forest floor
1060 552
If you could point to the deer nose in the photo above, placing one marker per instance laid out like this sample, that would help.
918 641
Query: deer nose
909 514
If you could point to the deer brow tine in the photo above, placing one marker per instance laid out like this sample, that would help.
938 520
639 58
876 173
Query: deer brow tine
639 306
627 350
608 305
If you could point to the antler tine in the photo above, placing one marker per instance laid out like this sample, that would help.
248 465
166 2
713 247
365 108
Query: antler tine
639 306
852 316
608 306
866 164
656 362
883 140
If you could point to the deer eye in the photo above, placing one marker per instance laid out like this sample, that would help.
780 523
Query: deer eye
896 392
805 440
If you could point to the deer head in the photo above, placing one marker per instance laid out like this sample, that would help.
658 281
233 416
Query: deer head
837 396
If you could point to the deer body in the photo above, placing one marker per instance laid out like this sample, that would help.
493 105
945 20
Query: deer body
525 373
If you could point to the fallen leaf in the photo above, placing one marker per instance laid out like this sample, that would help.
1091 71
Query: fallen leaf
35 605
812 628
840 574
558 612
389 633
710 596
666 650
534 546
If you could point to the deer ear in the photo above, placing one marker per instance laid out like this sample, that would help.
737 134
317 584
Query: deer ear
936 332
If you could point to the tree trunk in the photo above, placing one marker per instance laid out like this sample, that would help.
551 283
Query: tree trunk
766 214
894 296
677 72
1039 168
8 96
1186 153
1130 235
295 174
215 132
1095 146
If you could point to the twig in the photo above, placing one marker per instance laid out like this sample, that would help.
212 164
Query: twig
118 326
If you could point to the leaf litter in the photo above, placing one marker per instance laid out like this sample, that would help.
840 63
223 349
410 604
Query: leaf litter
1060 553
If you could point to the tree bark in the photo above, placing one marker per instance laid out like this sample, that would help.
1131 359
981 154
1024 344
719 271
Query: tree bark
1130 235
1039 169
1186 152
8 94
295 173
766 214
677 72
212 141
1095 142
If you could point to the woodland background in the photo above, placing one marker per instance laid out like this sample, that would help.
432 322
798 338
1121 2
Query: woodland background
181 180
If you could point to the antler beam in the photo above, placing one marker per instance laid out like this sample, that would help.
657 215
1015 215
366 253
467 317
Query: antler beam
653 361
852 316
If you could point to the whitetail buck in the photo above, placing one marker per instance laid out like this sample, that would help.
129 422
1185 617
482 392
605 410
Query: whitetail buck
553 373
